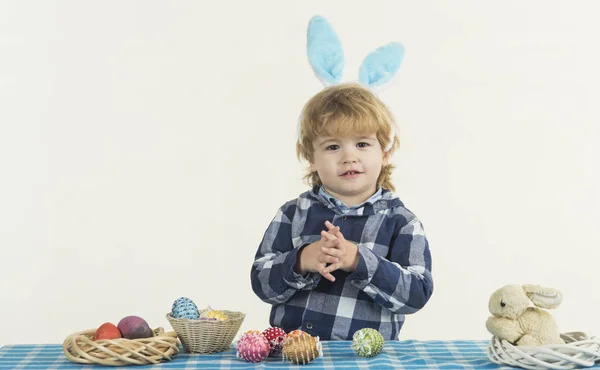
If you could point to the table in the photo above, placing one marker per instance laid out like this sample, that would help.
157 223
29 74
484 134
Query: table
409 354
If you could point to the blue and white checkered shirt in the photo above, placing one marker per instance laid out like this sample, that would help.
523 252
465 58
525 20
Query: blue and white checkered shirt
393 276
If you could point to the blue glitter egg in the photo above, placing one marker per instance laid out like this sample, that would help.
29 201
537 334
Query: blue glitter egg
184 308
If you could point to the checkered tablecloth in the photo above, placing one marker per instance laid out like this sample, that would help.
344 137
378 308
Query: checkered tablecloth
410 354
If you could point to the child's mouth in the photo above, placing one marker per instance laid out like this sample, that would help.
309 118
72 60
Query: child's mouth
351 174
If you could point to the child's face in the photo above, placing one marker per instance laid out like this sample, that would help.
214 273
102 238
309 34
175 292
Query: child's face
349 166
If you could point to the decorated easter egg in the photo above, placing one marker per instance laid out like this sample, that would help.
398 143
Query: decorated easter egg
367 342
295 333
213 315
134 327
301 348
253 347
253 331
107 331
275 336
184 308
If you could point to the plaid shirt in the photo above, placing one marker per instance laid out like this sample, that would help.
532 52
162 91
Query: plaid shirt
393 276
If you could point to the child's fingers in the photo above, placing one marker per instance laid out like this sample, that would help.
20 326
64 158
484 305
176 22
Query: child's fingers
330 227
331 268
331 251
334 230
328 277
327 235
324 258
331 243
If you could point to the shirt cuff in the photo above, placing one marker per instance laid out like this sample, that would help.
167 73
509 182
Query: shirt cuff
368 263
294 280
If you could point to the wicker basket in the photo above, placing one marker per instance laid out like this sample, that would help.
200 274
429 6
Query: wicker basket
578 351
81 348
204 336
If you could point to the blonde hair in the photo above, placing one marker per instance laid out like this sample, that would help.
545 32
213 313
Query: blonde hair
343 110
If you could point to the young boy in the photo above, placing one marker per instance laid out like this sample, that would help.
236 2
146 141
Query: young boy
346 254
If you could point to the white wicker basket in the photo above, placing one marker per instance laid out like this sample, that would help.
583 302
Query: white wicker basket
579 350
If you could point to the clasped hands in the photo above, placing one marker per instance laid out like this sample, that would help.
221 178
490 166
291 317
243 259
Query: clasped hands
332 248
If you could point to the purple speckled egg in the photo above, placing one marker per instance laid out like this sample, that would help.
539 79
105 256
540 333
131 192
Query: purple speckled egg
134 327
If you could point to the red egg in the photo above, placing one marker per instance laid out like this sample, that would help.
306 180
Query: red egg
107 331
275 336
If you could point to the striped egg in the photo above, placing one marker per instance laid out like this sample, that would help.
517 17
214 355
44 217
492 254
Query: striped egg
301 348
184 308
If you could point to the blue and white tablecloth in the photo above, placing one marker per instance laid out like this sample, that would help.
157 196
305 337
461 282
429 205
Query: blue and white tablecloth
410 354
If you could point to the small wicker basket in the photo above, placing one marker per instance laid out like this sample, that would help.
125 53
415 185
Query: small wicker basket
81 348
205 336
578 351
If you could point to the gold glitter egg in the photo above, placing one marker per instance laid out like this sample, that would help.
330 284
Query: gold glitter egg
301 348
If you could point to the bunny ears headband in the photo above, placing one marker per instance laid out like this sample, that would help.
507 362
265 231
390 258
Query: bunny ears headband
326 57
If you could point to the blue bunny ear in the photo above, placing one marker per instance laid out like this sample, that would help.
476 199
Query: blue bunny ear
324 50
381 66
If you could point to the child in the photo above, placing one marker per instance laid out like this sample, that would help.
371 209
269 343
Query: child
346 254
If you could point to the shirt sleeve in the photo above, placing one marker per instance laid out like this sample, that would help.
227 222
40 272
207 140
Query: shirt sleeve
401 282
273 277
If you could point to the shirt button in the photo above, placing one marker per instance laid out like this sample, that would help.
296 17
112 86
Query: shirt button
309 325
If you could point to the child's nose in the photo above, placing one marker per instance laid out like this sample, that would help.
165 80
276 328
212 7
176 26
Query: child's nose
349 157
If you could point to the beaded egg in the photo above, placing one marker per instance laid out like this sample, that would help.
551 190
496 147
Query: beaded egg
275 336
367 342
301 348
253 347
184 308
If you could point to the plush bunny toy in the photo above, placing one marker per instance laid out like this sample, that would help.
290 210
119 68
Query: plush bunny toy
515 321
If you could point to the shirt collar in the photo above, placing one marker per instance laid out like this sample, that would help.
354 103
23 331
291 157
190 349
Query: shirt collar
342 206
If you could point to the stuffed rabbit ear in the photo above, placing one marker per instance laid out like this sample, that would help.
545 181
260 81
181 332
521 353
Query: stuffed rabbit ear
379 68
325 53
543 297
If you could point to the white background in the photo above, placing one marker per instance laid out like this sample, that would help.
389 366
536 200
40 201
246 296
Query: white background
145 147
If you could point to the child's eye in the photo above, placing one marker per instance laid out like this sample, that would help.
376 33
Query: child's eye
332 147
363 145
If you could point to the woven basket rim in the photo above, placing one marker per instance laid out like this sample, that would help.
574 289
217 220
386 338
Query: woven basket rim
579 350
231 315
120 348
570 338
157 332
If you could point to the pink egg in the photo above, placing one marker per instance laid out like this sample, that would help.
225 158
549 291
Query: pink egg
253 347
